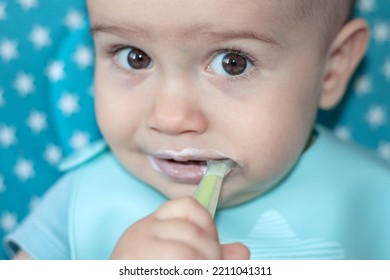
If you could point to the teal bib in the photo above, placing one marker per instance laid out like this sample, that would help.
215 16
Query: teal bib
328 207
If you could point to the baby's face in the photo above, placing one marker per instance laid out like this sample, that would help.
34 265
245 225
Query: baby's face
180 82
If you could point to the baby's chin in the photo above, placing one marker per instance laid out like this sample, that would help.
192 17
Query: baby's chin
235 193
234 199
174 190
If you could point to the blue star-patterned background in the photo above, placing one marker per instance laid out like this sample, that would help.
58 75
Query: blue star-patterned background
46 95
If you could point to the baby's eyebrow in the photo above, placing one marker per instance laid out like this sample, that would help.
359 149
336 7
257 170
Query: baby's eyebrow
236 35
123 32
192 33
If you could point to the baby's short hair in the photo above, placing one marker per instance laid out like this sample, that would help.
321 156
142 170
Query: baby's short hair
326 16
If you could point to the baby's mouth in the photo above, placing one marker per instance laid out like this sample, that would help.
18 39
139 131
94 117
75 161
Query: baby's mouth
188 171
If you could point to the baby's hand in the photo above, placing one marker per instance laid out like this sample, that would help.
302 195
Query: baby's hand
180 229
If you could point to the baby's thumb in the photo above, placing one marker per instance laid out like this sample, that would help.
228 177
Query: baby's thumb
235 251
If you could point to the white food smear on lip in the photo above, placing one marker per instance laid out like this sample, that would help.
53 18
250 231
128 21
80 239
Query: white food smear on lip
187 153
154 165
196 152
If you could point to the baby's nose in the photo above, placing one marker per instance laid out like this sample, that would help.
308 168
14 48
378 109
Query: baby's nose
176 112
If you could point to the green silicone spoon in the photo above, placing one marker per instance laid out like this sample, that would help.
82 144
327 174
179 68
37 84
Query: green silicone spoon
207 193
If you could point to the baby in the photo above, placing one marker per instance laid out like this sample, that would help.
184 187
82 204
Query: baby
178 83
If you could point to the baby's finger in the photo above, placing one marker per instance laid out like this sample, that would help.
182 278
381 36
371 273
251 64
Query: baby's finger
189 209
186 232
235 251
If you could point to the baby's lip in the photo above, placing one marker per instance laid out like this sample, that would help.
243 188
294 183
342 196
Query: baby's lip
185 166
190 154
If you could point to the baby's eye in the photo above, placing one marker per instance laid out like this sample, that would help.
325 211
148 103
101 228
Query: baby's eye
230 64
132 58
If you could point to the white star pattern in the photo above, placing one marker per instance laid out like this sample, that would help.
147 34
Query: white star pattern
363 85
376 116
79 140
3 13
343 133
24 84
384 150
381 32
55 71
37 122
7 136
2 101
8 50
8 221
366 5
83 57
74 20
24 169
52 154
40 37
34 203
68 104
28 4
386 69
2 186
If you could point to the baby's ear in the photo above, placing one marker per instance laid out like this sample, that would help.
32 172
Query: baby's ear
345 54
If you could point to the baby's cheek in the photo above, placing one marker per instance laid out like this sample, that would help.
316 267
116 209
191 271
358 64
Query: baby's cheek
273 160
114 121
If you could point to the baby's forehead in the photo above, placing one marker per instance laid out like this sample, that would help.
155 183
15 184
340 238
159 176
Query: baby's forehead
277 13
325 15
